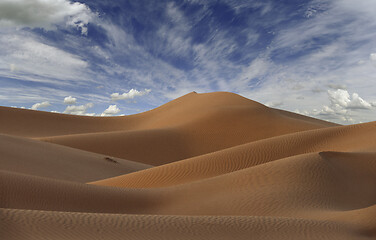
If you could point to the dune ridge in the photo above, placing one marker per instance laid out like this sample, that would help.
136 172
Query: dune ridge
317 181
189 126
180 111
203 166
343 138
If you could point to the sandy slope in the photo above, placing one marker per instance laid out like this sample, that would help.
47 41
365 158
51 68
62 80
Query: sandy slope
37 158
228 168
82 226
299 186
184 110
328 186
192 125
344 138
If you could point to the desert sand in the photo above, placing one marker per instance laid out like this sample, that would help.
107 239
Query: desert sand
203 166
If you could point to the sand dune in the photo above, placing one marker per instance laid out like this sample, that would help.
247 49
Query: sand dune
69 225
204 166
37 158
184 110
299 186
344 138
190 126
323 187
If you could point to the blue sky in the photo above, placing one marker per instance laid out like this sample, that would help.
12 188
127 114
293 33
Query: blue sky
104 57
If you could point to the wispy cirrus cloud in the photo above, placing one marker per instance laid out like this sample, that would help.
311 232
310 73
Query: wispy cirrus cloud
331 49
28 59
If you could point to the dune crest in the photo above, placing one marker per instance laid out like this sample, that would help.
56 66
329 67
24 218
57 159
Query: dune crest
203 166
192 125
344 138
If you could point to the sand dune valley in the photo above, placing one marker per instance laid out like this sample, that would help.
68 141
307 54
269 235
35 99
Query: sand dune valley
203 166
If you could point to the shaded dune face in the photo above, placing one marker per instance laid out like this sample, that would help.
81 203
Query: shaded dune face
42 159
203 166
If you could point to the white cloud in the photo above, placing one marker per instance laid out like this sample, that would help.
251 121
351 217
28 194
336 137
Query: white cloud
342 98
343 107
318 55
44 14
365 8
177 42
32 60
256 71
111 110
129 95
334 64
41 105
79 110
70 100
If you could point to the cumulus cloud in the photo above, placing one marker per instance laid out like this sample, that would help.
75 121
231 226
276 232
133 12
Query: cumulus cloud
342 98
70 100
41 105
129 95
342 108
111 110
79 110
338 115
44 14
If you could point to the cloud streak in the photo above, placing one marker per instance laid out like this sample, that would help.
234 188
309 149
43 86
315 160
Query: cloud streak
28 59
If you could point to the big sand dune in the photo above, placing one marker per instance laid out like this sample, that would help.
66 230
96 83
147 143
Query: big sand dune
203 166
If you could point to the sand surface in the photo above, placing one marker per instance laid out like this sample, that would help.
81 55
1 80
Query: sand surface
203 166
